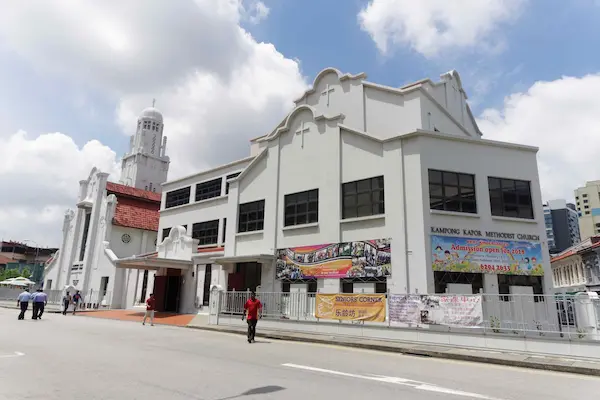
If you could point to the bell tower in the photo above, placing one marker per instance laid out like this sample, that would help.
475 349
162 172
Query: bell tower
146 164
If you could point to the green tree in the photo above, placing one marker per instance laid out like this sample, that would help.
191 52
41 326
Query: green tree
26 273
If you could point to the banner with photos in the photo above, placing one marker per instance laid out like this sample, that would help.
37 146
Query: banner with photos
360 259
464 311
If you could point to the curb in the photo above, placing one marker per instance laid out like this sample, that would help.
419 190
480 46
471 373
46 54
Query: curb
46 311
415 352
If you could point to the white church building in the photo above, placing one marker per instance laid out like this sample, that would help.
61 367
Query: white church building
113 221
360 188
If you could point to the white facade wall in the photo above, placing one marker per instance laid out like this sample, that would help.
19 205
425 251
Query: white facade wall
357 131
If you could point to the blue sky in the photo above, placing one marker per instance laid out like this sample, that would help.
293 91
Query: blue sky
87 81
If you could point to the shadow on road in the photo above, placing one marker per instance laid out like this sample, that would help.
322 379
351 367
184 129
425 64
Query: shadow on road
258 390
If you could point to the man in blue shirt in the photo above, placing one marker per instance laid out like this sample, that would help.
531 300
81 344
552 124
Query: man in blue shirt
39 299
23 302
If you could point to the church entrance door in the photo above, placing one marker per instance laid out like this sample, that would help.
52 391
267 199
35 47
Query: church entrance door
167 289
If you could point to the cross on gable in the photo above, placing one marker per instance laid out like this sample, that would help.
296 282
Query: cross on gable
301 132
327 92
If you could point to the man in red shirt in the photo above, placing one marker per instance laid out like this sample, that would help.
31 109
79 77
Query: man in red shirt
251 312
150 307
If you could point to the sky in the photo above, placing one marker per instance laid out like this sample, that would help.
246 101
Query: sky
75 74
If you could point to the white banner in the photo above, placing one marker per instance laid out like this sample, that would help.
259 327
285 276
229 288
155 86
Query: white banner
450 310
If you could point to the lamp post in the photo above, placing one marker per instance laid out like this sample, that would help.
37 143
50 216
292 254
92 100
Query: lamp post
37 250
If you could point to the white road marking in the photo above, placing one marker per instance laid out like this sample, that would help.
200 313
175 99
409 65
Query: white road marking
15 354
395 380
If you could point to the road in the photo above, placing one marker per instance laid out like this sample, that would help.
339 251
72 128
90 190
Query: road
67 357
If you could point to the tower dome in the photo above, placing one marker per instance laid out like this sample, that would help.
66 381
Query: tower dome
152 113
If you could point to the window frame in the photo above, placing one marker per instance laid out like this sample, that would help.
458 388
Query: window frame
306 199
457 201
499 204
181 196
209 189
246 210
210 230
352 191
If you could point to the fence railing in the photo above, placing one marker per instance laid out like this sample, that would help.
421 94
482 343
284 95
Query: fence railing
564 316
90 300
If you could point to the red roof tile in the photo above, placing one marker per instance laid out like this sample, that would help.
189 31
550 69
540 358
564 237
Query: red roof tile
117 189
5 260
136 208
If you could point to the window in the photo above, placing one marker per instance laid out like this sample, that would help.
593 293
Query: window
206 232
363 198
301 208
177 197
510 198
224 230
506 281
229 177
208 190
584 195
452 191
442 279
585 201
207 278
86 228
251 216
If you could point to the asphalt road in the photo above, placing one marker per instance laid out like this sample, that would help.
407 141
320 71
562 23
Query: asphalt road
67 357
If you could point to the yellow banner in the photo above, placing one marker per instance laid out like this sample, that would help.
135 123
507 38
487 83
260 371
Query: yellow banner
351 307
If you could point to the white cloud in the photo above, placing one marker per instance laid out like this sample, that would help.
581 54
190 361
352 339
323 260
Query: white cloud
215 84
39 179
431 27
561 118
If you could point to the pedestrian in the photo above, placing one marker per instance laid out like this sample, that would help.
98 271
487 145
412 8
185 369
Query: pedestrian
251 312
150 308
23 302
39 303
66 301
76 300
33 305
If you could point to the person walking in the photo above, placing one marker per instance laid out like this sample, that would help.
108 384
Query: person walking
76 300
251 312
23 302
39 303
66 301
150 308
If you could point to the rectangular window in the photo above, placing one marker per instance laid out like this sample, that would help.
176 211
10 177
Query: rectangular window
229 177
506 281
251 216
208 190
363 198
452 191
86 228
207 278
177 197
224 230
301 208
510 198
206 232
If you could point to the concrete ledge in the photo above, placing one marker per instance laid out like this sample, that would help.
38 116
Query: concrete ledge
532 361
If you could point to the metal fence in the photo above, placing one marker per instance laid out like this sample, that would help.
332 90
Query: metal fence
90 300
565 316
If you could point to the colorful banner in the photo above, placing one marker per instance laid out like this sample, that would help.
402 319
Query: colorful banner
463 254
351 307
364 259
451 310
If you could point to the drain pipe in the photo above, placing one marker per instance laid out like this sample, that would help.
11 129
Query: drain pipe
405 214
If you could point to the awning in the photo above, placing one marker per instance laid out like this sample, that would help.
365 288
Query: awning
153 263
259 258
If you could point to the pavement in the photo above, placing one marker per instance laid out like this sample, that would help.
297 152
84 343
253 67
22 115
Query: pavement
66 357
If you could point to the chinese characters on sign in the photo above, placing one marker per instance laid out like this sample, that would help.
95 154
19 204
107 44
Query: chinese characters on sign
450 310
351 307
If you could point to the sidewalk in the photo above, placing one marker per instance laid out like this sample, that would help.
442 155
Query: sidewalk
160 318
525 360
50 308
